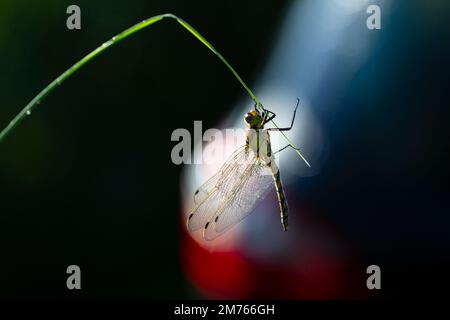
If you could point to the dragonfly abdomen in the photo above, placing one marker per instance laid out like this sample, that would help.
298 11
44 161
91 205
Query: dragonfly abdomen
281 198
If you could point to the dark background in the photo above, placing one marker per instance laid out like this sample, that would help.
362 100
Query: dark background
88 180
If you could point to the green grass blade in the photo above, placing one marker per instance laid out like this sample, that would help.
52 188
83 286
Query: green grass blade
114 40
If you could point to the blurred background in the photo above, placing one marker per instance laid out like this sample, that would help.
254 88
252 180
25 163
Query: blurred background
88 178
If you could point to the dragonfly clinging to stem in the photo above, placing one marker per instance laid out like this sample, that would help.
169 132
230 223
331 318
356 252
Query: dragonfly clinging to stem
233 192
244 179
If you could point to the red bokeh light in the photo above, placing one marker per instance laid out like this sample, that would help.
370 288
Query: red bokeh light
313 274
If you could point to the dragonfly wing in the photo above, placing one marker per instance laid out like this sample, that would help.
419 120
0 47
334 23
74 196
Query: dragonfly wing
210 197
204 191
253 185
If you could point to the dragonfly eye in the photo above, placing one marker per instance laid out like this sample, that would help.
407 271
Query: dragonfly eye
248 118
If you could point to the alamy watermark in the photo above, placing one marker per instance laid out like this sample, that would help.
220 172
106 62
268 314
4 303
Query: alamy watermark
74 279
219 144
373 22
374 280
73 22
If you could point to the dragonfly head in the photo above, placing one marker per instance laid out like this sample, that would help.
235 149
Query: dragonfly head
254 119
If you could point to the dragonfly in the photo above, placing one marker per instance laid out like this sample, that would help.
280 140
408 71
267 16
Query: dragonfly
248 175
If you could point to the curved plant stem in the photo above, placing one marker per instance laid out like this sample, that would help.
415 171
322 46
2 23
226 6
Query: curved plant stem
114 40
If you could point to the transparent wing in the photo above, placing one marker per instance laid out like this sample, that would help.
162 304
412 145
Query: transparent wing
203 192
210 196
253 185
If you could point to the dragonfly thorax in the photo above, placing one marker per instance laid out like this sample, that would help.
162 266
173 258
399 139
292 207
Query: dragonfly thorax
258 141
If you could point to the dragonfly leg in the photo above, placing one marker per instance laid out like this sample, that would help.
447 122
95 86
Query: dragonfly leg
292 122
271 117
298 149
259 108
